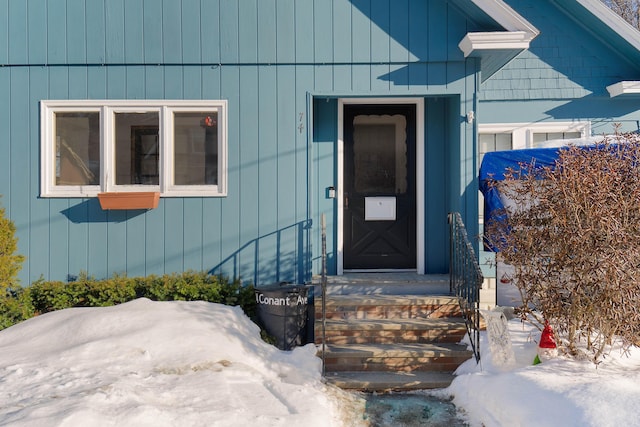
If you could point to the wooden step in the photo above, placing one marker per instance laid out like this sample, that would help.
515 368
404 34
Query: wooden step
389 331
381 335
389 381
394 357
387 284
387 307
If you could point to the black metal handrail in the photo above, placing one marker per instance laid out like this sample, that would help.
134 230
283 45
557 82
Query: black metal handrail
465 278
323 226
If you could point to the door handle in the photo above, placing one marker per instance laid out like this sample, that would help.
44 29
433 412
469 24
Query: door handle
346 200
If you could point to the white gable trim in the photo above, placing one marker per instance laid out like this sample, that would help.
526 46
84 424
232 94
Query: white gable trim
497 48
613 20
624 88
473 43
508 18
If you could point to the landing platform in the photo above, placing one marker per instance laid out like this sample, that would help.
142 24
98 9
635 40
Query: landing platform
393 283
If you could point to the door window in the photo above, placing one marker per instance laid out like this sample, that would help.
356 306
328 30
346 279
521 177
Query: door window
380 167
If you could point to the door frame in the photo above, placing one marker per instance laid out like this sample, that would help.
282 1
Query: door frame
420 190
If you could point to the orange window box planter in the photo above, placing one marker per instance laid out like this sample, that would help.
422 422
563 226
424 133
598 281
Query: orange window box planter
129 200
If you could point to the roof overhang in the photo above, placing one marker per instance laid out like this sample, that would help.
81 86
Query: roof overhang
624 89
610 28
614 21
497 48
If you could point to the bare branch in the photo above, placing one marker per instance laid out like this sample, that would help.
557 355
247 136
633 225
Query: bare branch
573 235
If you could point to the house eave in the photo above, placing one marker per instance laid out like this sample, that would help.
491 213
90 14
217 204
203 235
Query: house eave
508 18
494 49
614 21
478 44
626 88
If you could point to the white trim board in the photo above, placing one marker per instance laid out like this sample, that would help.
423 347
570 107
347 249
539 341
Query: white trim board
522 133
420 198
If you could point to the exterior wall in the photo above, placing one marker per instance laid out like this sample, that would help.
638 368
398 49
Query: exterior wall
270 59
450 177
562 77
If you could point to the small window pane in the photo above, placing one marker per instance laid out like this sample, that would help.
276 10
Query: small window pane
572 135
137 148
77 148
487 142
196 148
503 141
539 138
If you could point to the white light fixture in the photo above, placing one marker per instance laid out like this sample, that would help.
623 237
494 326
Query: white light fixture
470 117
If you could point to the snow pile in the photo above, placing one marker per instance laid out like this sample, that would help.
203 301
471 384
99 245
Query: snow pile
148 363
560 392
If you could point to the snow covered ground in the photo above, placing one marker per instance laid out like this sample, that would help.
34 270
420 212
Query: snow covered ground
147 363
559 392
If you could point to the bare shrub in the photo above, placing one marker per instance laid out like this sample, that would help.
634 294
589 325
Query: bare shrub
573 235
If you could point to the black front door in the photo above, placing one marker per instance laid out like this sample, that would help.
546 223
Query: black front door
379 187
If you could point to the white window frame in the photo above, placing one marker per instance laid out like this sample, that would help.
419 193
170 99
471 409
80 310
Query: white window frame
107 110
522 133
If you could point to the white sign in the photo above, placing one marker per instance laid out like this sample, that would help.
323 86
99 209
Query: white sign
380 208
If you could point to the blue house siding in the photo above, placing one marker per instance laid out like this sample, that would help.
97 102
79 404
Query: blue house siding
282 65
563 76
230 32
263 213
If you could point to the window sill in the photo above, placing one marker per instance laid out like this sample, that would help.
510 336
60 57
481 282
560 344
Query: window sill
129 200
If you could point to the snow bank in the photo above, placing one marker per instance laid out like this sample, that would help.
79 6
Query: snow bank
148 363
561 392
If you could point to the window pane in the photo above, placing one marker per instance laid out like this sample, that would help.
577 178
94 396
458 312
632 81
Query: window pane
539 137
487 142
137 148
572 135
504 141
380 155
196 148
77 148
555 135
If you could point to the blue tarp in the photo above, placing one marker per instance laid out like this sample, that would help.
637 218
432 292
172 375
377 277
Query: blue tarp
495 164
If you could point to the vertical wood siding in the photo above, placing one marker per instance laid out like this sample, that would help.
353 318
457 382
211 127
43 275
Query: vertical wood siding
268 58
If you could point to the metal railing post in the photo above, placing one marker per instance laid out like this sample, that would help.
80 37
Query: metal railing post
465 278
323 225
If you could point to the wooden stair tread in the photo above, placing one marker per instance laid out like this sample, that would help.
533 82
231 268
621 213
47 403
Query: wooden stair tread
396 350
381 300
390 332
444 323
389 381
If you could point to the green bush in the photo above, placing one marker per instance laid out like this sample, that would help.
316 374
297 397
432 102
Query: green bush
15 306
18 303
45 296
10 263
